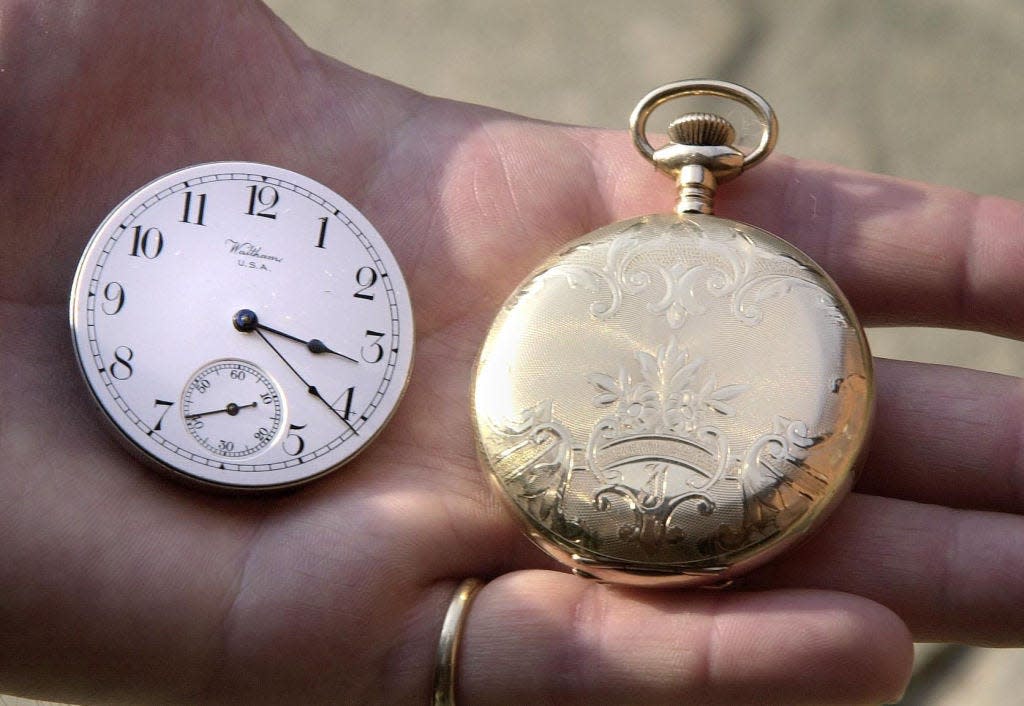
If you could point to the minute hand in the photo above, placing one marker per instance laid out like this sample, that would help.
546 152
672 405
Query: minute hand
309 388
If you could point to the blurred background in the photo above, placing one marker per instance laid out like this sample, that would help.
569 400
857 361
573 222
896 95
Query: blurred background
921 89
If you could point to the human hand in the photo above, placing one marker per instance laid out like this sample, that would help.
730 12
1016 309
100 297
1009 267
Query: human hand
118 585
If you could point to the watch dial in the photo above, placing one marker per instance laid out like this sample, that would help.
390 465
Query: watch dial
242 324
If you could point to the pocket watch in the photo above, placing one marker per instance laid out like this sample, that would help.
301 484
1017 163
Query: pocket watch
241 326
675 399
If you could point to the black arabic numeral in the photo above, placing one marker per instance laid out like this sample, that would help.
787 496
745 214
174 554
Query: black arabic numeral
114 294
323 232
148 243
262 435
186 216
374 348
167 406
121 369
224 445
347 411
366 277
299 441
265 196
267 398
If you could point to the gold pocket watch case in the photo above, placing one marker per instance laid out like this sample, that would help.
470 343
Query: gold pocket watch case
673 400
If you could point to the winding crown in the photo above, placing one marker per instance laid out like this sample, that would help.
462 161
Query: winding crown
701 129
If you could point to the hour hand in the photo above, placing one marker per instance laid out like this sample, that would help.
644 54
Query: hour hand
245 320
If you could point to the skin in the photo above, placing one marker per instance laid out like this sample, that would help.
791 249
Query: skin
120 586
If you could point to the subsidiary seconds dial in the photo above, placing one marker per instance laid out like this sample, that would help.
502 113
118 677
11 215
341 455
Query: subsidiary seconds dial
232 408
242 325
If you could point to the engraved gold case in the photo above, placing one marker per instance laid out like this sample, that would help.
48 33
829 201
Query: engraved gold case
675 399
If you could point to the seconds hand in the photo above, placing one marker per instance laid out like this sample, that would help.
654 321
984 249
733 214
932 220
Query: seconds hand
309 388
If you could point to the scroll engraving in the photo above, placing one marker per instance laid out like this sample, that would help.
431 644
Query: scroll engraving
726 265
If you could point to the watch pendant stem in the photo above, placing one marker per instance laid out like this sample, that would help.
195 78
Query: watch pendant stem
697 186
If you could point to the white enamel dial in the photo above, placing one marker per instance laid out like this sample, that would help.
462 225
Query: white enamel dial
242 325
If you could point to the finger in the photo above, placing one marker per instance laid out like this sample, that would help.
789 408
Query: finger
903 252
546 638
951 575
947 436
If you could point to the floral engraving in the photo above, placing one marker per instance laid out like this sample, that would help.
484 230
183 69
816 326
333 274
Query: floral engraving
669 396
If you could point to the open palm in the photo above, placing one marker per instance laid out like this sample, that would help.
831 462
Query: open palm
116 584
